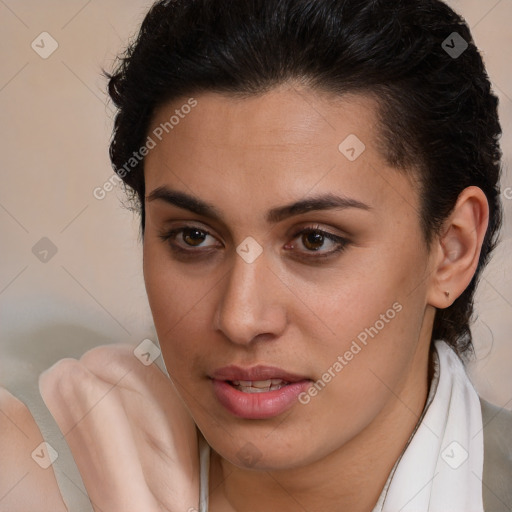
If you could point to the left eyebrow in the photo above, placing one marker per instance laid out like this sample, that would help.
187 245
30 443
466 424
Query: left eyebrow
322 202
273 216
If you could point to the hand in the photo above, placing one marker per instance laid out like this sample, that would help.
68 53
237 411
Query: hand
133 440
25 486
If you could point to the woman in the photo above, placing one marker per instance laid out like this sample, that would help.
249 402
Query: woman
318 184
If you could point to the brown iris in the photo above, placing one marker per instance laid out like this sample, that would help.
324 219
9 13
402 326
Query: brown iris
195 236
313 240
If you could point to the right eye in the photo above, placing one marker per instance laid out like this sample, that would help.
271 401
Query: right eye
185 238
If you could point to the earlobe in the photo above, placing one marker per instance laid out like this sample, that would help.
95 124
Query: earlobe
458 248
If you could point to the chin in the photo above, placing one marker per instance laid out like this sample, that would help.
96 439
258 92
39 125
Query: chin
267 452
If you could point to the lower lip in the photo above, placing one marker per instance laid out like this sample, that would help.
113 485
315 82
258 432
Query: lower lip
257 406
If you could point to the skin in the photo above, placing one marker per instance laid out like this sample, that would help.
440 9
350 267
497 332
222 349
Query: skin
132 440
246 156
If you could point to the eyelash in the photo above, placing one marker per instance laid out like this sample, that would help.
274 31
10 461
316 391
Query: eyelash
342 243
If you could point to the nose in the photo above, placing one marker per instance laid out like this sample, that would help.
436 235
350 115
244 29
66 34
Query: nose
252 303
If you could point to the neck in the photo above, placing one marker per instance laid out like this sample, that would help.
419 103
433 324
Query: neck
350 478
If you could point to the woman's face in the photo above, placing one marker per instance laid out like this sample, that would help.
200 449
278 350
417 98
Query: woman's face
232 279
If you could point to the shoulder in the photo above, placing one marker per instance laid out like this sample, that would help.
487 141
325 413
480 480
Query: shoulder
24 485
497 473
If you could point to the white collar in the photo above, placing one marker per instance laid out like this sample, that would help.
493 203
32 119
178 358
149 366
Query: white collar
441 466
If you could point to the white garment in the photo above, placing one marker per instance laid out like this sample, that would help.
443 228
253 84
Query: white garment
441 468
204 468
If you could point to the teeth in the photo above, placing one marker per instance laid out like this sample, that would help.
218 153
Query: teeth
258 383
258 386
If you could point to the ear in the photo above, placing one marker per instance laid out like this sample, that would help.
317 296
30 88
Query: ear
457 249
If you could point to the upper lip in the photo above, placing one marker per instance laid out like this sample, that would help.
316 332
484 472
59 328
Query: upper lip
259 372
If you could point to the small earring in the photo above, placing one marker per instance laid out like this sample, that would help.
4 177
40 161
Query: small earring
447 294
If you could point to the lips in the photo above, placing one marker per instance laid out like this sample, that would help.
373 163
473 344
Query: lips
259 392
255 373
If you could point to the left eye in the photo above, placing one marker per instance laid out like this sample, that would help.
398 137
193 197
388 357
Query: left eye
314 239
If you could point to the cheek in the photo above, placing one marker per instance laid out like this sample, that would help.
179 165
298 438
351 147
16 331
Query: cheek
366 294
171 291
180 306
375 313
361 369
159 287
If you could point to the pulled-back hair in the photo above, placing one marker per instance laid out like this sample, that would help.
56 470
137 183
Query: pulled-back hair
438 115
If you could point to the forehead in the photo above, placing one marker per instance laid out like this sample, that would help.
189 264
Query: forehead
287 116
279 145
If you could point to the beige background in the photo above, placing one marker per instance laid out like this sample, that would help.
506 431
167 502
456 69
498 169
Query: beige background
55 133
